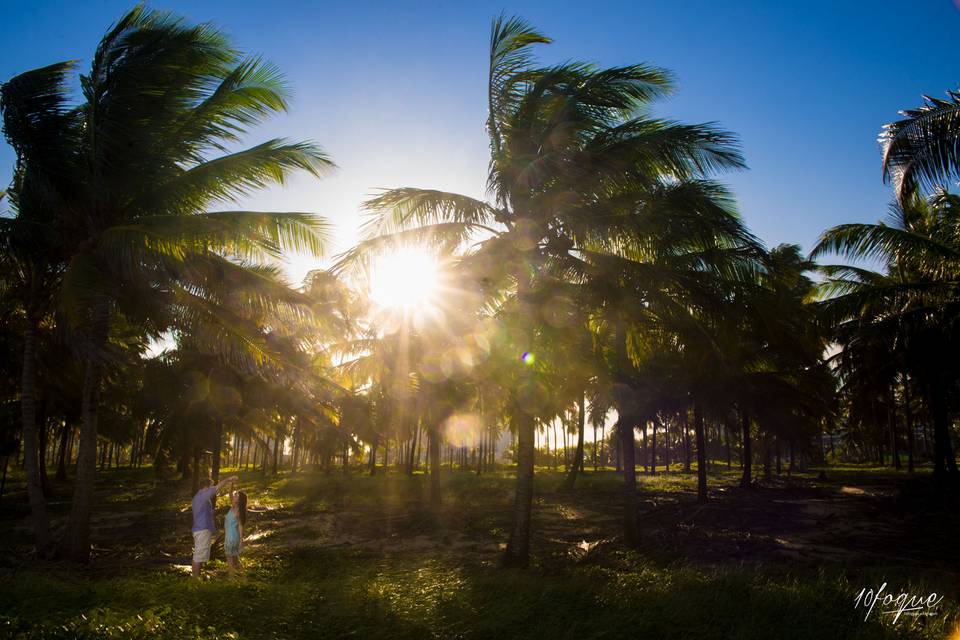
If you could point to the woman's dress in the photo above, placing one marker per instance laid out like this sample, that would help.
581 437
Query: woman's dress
231 543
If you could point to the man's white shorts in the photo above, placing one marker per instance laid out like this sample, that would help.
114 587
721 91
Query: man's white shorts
201 545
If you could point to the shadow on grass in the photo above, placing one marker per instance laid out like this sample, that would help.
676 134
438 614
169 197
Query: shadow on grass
319 593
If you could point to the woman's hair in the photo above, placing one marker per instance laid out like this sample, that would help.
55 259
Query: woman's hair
242 507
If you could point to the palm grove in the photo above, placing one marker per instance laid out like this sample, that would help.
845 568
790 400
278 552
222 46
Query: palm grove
607 274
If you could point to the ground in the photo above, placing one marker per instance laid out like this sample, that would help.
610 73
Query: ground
333 556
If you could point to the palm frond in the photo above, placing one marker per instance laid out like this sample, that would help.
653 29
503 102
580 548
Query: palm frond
923 149
510 42
879 242
402 208
229 177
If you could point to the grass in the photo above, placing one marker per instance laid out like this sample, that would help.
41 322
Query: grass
311 593
435 575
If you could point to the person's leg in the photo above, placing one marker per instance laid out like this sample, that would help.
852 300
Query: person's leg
232 565
201 551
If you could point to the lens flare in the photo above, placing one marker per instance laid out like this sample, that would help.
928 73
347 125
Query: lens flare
406 279
527 358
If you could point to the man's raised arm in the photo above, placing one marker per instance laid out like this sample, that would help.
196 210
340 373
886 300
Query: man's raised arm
226 481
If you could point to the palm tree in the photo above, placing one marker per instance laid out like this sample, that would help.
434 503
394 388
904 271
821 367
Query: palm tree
563 141
911 306
160 99
43 130
921 151
774 351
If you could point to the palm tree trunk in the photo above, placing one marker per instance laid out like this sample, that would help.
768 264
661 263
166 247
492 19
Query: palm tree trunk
76 543
296 459
618 459
596 448
195 471
894 446
577 467
943 459
40 519
701 454
644 450
684 422
3 479
62 454
603 438
728 437
479 452
747 461
215 463
44 432
631 526
908 414
653 447
518 546
666 446
417 449
433 445
767 450
278 437
373 457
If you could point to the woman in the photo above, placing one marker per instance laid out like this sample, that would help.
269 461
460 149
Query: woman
233 530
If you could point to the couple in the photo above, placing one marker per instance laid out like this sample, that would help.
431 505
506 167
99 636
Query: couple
205 526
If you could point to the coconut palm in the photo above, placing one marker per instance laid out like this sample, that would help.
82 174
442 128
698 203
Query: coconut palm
42 129
922 151
911 305
163 104
564 140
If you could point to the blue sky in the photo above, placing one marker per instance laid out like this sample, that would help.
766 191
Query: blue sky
395 93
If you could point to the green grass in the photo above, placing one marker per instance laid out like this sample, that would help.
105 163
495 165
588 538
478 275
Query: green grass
316 593
300 585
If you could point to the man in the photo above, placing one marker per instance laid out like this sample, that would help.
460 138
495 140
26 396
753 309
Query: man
204 526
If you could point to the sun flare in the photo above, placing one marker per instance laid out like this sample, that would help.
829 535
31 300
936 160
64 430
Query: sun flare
405 280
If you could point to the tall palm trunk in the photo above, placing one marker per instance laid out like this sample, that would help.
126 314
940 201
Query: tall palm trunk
434 452
480 452
892 419
666 445
631 526
596 448
76 543
908 415
747 461
701 454
577 467
653 447
518 546
40 520
943 459
43 433
62 453
3 478
215 462
298 453
277 442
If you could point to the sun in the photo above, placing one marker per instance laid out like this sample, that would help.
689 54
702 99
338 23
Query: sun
405 280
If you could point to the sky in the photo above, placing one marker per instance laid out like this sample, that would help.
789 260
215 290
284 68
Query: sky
395 93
